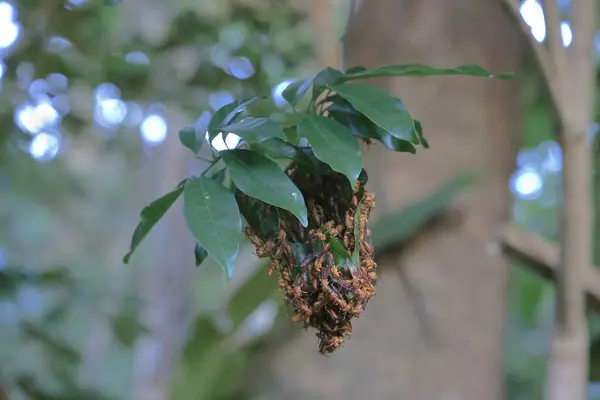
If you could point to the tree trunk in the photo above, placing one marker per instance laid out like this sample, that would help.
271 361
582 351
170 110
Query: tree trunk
472 125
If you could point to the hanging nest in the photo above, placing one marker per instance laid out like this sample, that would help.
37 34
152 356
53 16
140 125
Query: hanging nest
324 280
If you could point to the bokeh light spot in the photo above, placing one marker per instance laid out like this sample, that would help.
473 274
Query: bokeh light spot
527 184
154 129
44 147
241 68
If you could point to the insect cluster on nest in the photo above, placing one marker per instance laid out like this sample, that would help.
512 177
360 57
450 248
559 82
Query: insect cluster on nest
324 280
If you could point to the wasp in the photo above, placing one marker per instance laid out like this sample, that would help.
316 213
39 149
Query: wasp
326 326
281 243
320 236
305 310
265 210
295 292
332 314
367 246
349 222
315 283
254 239
274 266
309 259
335 272
324 282
348 329
332 230
297 318
318 264
346 240
357 309
314 211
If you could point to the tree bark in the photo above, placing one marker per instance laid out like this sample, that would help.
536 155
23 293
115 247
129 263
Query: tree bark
471 124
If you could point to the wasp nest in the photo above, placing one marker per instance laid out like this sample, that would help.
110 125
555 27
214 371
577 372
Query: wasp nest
324 280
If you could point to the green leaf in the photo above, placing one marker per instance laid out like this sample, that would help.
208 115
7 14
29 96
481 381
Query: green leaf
196 356
213 217
528 292
261 178
340 253
594 368
254 130
59 349
419 131
150 215
327 76
12 277
357 124
397 227
219 176
255 290
362 127
385 111
333 144
126 327
200 254
291 134
226 115
296 90
363 178
353 70
266 225
276 148
191 139
422 70
193 136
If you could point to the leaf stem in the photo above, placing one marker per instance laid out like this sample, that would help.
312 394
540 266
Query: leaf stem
212 164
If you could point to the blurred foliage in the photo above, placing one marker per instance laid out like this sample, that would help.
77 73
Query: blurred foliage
397 228
152 59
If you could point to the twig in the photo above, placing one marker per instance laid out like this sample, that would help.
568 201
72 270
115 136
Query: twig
543 257
212 164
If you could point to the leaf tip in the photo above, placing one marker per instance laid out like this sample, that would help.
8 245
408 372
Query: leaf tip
303 220
505 76
228 271
126 258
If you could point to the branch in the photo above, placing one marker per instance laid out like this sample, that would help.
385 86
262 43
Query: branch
541 54
581 56
543 257
583 15
553 33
